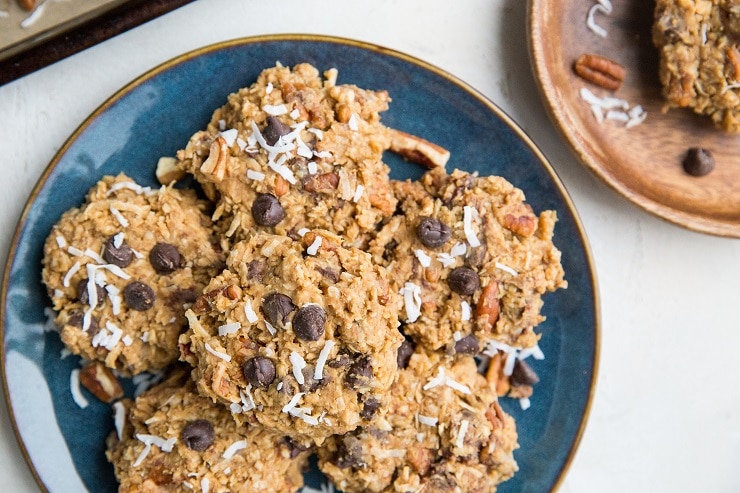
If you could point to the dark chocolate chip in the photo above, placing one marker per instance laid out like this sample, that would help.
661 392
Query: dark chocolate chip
349 453
698 161
308 323
340 361
266 210
274 130
360 373
83 295
294 447
309 382
467 345
256 270
259 371
276 307
165 258
138 296
184 295
76 320
369 408
432 232
330 274
463 280
198 435
121 256
404 353
523 374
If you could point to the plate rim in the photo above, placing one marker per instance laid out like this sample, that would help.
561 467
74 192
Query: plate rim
250 40
555 109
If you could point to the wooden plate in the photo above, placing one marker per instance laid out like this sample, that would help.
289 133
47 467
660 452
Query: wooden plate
642 163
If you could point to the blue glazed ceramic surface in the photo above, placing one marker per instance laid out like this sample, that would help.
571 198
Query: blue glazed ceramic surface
155 115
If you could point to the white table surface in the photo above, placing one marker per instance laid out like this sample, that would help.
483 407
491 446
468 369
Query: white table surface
666 415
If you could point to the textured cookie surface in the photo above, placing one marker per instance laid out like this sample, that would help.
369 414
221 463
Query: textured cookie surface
172 439
471 259
700 57
301 336
121 269
442 431
295 150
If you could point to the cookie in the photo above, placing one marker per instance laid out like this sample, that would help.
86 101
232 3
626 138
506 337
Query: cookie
301 336
471 260
293 151
121 268
172 439
699 44
442 431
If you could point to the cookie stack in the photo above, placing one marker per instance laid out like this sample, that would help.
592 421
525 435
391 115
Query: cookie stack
314 304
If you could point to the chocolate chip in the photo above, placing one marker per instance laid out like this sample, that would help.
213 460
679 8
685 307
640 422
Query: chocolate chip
276 307
266 210
404 353
165 258
523 374
259 371
360 373
274 130
184 295
76 320
432 232
369 408
294 447
463 280
83 295
309 382
698 161
467 345
256 270
138 296
350 452
340 361
121 256
198 435
308 323
330 274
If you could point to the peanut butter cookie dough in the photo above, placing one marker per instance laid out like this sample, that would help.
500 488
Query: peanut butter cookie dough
172 439
301 336
120 270
442 431
471 260
700 57
294 151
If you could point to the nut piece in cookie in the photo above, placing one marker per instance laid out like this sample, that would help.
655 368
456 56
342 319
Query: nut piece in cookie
306 343
293 151
172 439
121 269
470 259
442 430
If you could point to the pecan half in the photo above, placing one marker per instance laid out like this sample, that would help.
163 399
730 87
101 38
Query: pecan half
487 307
215 164
101 382
600 71
418 150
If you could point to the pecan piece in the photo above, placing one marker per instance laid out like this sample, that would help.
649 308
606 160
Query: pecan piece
101 382
281 186
420 458
215 164
600 71
487 307
495 375
418 150
167 171
324 183
27 5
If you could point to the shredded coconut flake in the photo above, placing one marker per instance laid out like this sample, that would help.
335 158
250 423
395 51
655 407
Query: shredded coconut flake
317 132
533 351
119 418
353 123
428 420
298 365
313 249
525 403
293 402
412 301
462 432
506 268
230 136
249 312
118 240
217 354
312 168
75 252
222 125
268 88
71 272
295 114
470 215
358 193
255 175
424 259
302 232
465 311
74 384
275 110
234 448
318 373
604 6
270 328
205 485
509 363
119 217
61 241
229 328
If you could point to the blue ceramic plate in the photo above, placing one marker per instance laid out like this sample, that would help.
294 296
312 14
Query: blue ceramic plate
156 114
